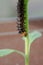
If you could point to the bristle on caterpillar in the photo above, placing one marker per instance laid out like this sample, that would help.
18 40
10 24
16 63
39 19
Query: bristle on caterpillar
21 23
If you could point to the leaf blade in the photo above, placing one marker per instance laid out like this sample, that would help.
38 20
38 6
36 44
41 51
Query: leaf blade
5 52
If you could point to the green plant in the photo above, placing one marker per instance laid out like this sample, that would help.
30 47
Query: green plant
29 38
32 36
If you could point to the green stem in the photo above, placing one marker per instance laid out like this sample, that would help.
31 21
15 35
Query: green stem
27 49
19 52
27 46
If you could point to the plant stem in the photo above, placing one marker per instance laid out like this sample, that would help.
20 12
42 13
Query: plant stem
27 45
27 49
19 52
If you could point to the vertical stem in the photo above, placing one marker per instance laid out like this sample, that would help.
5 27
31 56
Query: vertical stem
27 46
27 49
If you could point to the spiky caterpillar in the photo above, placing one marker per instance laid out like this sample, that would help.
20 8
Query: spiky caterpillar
23 25
22 17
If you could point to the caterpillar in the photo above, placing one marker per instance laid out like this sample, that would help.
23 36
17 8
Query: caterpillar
21 24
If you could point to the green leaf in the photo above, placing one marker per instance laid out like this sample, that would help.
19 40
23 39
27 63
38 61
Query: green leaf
33 36
4 52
